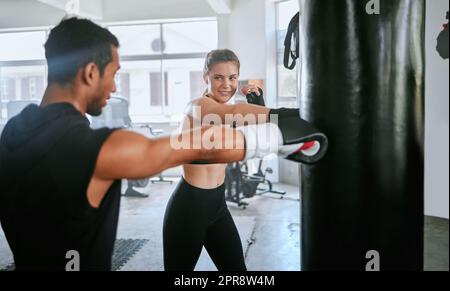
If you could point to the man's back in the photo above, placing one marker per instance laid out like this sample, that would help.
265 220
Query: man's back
47 157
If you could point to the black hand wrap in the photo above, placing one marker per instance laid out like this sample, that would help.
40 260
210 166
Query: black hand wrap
252 98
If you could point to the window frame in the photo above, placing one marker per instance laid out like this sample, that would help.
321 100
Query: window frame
280 98
161 57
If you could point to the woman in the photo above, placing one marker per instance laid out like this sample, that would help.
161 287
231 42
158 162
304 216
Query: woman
197 214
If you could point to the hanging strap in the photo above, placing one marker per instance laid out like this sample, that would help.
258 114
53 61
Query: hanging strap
292 34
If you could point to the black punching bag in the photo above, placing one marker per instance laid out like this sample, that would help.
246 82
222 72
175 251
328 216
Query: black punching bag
362 84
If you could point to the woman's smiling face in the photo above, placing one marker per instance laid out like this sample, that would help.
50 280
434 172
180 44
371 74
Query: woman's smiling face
222 81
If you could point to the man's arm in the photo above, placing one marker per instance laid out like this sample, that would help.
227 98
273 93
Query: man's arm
128 155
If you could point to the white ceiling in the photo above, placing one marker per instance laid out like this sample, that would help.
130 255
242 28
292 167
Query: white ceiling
121 10
29 13
24 13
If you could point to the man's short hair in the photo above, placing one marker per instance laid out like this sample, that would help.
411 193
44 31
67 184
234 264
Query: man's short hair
74 43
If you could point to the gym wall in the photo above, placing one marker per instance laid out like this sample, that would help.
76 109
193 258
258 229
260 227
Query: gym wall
436 115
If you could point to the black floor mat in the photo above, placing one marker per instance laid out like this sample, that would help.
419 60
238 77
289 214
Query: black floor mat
124 250
8 268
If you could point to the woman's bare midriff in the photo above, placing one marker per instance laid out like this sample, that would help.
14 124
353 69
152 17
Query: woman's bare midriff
205 176
202 176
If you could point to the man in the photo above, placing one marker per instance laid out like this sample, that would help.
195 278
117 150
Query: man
61 179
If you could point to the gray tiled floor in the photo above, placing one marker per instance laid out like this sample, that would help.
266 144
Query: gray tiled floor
436 244
265 218
269 229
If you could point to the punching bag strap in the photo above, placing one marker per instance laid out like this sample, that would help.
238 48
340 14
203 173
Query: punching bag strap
292 35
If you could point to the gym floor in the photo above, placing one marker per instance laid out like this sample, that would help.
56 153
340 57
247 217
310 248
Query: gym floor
269 229
268 226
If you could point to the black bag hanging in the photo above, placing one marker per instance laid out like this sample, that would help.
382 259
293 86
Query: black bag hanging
363 205
292 35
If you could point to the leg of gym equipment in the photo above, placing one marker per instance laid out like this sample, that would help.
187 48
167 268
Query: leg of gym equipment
130 192
161 180
262 175
362 83
234 184
270 190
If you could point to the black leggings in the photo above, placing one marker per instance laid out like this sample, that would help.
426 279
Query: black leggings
195 218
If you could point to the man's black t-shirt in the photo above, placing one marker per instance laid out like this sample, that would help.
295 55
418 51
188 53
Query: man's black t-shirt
47 158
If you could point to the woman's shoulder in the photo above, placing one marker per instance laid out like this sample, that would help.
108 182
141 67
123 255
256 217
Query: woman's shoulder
198 103
204 99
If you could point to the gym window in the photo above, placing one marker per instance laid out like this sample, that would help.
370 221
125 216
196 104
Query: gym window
22 69
162 64
286 79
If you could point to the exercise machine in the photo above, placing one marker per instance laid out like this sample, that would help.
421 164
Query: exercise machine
240 184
